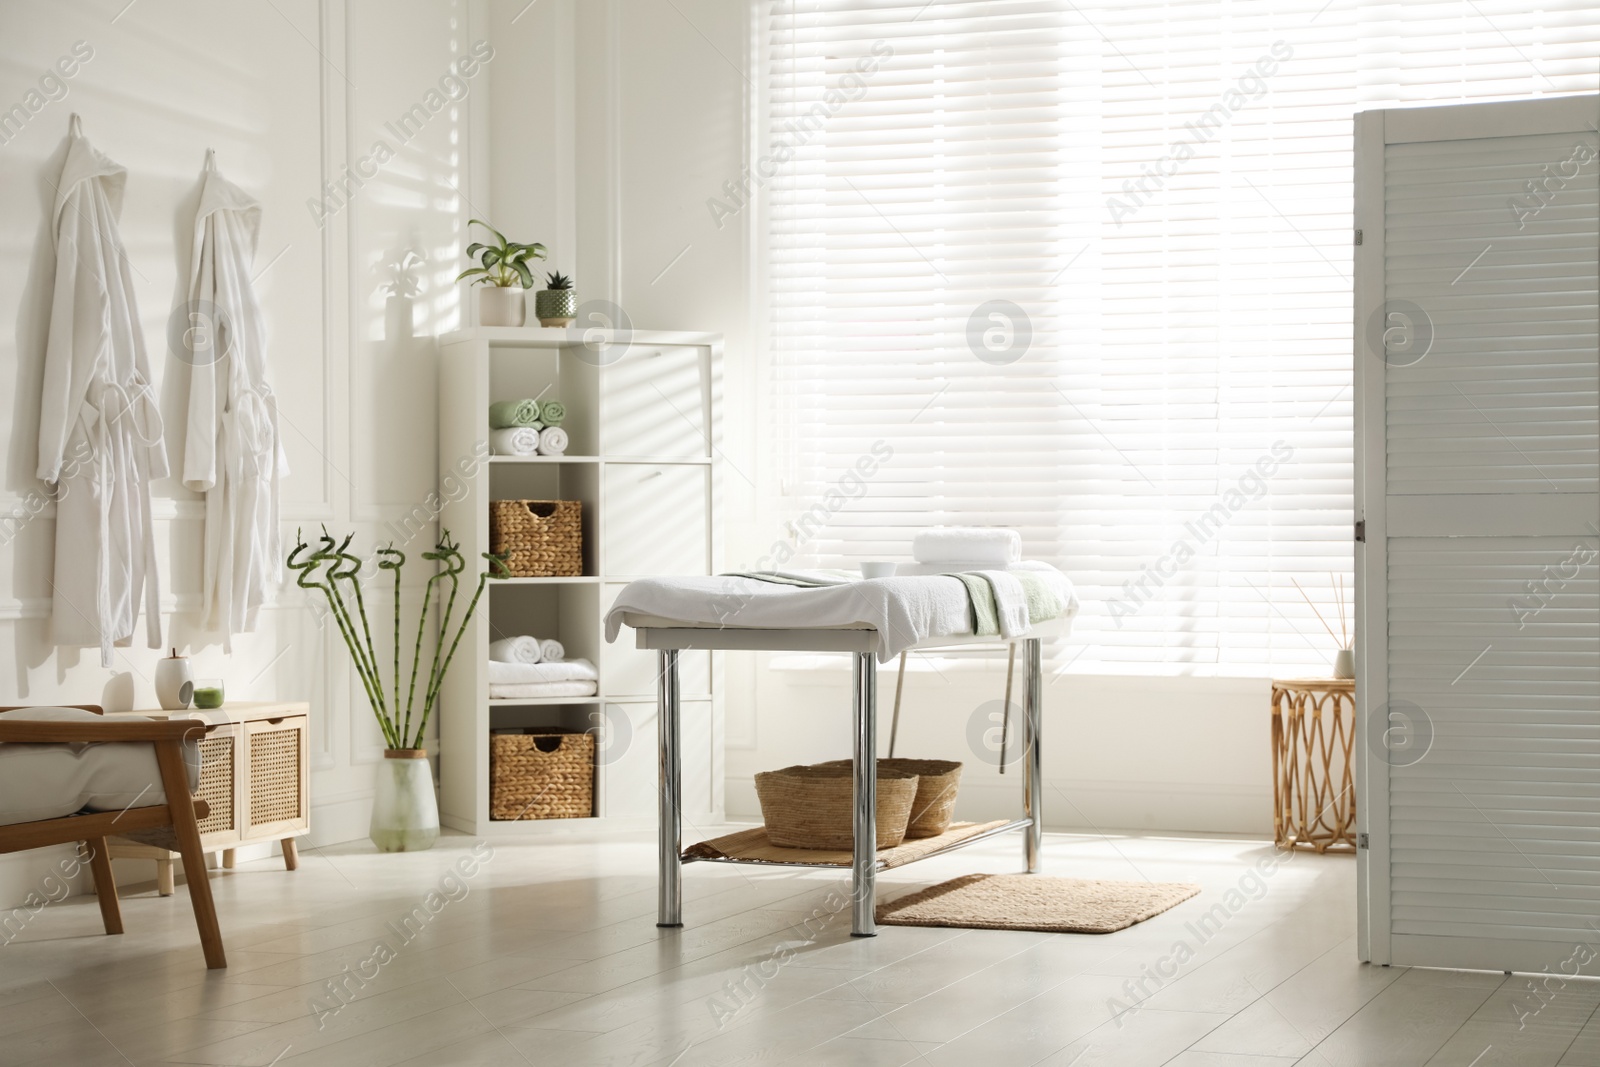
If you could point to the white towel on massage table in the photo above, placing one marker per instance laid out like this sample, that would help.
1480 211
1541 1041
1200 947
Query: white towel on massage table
904 611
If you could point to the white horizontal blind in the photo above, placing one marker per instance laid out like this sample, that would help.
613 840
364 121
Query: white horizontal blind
1164 190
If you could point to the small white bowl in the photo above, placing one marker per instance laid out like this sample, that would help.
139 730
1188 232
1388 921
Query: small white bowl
877 569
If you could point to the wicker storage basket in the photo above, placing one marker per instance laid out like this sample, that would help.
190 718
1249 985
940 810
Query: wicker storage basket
810 807
544 775
938 781
539 538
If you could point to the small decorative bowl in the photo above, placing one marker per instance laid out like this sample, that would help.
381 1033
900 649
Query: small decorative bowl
877 569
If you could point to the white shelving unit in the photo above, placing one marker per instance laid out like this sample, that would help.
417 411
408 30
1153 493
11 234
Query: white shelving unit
643 420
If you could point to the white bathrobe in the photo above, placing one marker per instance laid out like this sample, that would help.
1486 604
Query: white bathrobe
99 423
234 453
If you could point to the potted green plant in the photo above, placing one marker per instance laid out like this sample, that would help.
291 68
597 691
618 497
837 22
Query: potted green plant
405 812
503 272
556 304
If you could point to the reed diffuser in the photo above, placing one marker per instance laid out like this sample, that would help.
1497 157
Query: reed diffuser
1344 660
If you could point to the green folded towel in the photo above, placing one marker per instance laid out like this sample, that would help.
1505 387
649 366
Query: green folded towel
505 414
552 412
1044 603
985 615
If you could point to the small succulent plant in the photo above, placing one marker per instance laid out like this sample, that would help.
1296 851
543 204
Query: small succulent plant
557 280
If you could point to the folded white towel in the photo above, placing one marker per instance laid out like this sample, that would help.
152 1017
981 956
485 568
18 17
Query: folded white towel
572 670
913 570
515 650
542 690
967 544
552 441
514 441
552 651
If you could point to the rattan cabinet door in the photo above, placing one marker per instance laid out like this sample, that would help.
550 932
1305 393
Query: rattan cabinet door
221 785
277 769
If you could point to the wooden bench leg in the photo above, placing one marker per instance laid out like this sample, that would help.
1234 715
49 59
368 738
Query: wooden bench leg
291 854
166 885
175 782
105 887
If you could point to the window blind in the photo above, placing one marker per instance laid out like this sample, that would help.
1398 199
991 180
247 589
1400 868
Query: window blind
1084 269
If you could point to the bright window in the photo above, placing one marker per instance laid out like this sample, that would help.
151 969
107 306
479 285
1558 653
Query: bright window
1084 269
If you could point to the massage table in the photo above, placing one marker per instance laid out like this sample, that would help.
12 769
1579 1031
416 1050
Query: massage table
668 636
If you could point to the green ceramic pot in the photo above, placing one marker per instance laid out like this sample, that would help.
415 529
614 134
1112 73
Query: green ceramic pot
555 307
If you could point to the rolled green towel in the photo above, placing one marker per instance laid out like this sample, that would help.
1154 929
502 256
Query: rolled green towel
504 414
552 412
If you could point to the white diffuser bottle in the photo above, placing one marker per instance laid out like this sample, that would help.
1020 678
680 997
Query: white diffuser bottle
174 682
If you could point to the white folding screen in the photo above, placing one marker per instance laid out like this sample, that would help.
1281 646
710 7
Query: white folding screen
1478 479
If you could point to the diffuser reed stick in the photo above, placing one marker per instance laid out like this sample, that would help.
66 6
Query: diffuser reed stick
1343 641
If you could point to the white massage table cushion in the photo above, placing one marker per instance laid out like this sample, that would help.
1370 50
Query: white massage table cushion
48 781
656 622
1050 628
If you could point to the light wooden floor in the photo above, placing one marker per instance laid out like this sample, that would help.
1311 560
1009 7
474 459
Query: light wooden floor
549 954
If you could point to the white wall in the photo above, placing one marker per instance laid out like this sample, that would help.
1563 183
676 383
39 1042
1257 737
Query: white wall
287 93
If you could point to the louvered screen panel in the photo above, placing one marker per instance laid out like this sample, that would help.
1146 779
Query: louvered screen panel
1495 832
1505 398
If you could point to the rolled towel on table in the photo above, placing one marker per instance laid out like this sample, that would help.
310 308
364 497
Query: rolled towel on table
573 670
967 545
515 650
504 413
552 441
551 651
515 441
552 412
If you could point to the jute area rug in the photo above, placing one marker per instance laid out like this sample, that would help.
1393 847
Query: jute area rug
1034 902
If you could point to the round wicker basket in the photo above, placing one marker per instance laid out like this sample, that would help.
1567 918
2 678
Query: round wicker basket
810 807
938 781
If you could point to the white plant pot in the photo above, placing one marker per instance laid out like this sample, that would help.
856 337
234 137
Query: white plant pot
405 812
502 305
174 682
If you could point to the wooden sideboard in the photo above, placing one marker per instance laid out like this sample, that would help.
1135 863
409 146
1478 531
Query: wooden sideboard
255 774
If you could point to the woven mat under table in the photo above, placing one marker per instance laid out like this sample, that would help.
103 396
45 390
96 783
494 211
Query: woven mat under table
753 845
1034 902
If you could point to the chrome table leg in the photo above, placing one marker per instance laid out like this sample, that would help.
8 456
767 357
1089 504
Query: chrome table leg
864 864
669 910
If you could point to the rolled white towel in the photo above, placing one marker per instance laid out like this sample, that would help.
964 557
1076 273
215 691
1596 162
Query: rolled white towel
552 651
516 650
572 670
967 545
514 441
552 441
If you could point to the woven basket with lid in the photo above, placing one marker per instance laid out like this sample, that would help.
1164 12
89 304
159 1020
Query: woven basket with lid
811 806
539 538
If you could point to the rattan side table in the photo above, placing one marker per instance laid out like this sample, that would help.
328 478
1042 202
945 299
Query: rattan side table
1313 792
